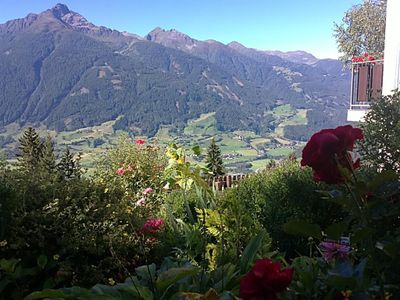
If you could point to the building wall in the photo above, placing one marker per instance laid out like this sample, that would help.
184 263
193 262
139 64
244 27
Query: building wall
391 73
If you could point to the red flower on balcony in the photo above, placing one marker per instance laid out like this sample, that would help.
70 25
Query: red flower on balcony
363 58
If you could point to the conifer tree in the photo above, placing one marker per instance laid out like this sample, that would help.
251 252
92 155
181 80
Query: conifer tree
69 167
31 150
48 160
214 160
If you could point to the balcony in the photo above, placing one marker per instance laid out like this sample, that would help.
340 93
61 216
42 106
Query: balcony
366 85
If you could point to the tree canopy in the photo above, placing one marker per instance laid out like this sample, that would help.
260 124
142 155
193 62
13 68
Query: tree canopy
362 30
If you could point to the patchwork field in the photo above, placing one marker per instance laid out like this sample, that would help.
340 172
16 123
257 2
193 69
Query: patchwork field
242 151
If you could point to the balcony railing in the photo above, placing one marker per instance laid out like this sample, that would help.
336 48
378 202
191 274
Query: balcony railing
366 83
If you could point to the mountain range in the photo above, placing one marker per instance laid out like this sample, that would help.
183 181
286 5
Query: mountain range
61 71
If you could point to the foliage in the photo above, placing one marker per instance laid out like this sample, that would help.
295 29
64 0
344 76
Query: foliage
381 147
30 149
362 30
89 229
214 160
283 193
371 225
173 280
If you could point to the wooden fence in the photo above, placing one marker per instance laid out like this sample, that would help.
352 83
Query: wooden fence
227 181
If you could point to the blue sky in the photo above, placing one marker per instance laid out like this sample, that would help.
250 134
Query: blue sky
264 24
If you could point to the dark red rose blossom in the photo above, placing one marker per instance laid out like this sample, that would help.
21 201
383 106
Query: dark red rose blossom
328 149
265 280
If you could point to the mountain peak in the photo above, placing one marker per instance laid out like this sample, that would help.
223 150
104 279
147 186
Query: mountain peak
236 45
170 38
60 10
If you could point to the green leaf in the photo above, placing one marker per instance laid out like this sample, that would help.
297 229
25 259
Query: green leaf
147 272
392 249
342 283
42 261
361 234
250 252
303 228
382 178
334 231
48 294
343 201
8 265
172 276
135 289
196 150
3 284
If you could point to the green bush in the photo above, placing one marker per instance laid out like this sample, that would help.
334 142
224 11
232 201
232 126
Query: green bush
381 145
89 229
280 194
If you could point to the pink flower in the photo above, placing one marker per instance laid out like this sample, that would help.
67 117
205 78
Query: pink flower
148 191
140 142
120 171
141 202
334 250
130 168
152 226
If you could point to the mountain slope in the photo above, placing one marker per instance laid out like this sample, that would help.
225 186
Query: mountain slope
60 70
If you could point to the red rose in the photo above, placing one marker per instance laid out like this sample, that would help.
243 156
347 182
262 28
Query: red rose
265 280
140 142
328 149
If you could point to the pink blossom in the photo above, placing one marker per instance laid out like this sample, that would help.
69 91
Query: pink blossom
130 168
120 171
152 226
140 142
334 250
148 191
141 202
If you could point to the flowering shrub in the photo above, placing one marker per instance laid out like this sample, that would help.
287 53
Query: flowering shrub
265 280
328 153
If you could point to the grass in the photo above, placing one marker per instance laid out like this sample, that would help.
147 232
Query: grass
259 164
204 125
280 152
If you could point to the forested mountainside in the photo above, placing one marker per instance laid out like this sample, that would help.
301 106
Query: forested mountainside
61 71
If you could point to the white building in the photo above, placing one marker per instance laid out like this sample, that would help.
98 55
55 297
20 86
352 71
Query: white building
367 82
